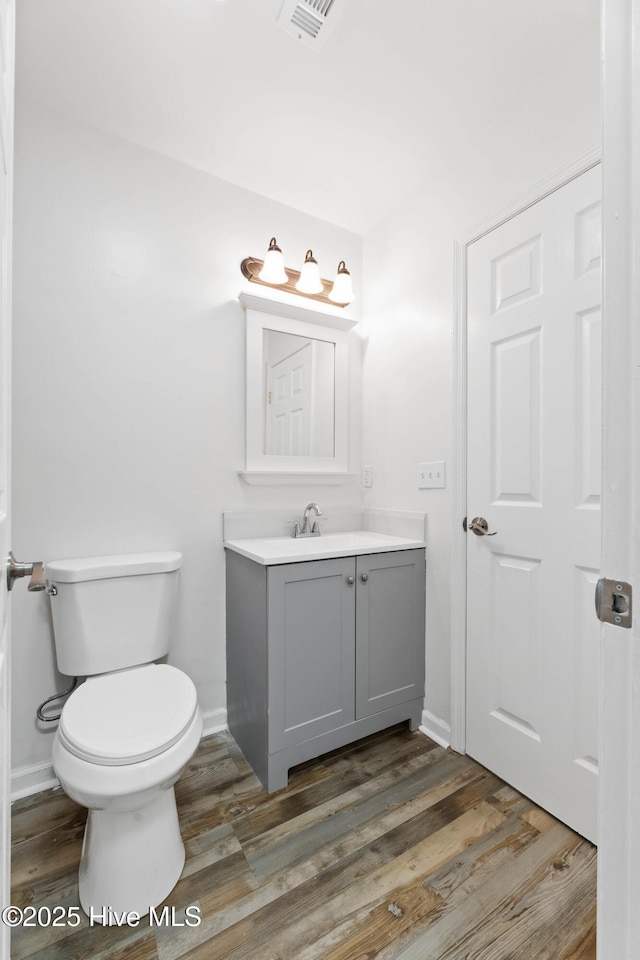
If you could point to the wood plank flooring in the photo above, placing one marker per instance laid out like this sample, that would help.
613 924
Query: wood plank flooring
390 848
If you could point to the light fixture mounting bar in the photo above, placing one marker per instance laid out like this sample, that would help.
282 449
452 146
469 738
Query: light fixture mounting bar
251 267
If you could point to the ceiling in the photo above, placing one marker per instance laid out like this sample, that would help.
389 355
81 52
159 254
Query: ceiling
343 134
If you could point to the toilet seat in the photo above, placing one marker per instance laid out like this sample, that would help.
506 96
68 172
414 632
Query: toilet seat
126 717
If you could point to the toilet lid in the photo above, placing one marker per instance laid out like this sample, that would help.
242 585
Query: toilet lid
126 717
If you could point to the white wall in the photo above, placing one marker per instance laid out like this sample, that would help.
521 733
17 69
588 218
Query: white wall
408 283
129 380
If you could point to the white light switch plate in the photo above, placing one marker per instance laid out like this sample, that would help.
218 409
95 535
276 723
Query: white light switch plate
431 475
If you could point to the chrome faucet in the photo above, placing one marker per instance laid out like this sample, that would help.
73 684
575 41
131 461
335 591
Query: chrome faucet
309 528
315 528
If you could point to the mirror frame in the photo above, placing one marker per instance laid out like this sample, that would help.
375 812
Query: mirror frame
260 463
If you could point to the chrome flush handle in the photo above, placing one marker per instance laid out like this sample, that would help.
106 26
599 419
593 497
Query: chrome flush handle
35 570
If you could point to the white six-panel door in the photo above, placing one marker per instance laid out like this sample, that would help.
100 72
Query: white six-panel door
534 458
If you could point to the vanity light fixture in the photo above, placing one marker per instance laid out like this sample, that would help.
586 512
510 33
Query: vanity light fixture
342 290
273 266
306 282
309 280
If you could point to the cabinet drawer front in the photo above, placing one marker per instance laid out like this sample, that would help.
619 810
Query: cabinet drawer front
390 624
311 614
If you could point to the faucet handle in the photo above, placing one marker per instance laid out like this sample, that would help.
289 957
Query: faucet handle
295 532
316 525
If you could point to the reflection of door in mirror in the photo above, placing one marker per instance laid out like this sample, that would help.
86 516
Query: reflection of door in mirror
289 404
299 395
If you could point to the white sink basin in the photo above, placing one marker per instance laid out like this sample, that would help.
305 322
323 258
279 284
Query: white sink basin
270 550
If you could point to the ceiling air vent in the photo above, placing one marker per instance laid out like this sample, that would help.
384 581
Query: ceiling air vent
310 21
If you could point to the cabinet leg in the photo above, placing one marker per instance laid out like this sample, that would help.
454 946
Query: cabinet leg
277 774
414 720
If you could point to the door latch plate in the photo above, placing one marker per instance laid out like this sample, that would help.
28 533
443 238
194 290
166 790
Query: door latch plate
614 602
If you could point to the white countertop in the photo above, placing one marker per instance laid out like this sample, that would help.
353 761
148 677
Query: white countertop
272 550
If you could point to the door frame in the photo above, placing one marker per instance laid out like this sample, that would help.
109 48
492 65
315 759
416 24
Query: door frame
619 833
7 69
458 595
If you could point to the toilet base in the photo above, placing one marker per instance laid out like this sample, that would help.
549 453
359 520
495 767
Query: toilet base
131 860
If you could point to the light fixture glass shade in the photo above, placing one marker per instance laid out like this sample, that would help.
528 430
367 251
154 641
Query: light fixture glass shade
309 280
273 267
342 290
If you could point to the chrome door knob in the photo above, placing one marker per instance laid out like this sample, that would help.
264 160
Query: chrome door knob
481 528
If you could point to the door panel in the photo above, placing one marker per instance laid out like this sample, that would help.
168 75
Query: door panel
517 390
586 671
588 424
517 641
534 455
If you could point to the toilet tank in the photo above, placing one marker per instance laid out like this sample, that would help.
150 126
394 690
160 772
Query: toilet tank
112 612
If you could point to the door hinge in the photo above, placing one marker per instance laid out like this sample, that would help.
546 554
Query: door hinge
614 602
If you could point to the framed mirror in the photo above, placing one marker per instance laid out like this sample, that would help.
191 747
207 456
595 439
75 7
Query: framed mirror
297 396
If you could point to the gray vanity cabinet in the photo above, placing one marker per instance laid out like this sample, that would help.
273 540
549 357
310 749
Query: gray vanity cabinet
320 653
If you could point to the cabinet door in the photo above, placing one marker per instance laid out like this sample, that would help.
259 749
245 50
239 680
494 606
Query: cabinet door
311 623
390 619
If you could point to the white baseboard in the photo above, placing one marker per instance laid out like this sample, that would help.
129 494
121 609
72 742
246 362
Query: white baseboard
34 779
41 776
29 780
439 730
214 721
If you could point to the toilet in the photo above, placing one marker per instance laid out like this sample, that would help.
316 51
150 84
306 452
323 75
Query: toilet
126 734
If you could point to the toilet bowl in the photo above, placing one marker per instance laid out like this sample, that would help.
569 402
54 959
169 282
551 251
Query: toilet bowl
123 741
126 734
